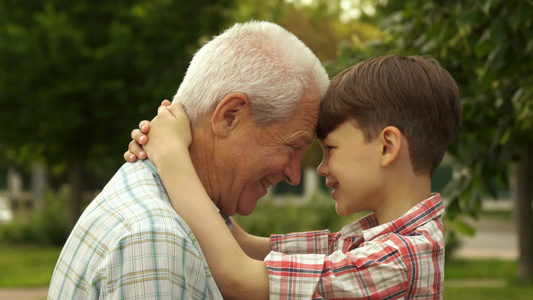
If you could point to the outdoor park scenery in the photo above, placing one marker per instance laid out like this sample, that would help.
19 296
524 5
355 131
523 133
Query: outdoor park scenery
77 76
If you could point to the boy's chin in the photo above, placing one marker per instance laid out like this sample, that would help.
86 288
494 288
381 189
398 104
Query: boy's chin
341 211
344 211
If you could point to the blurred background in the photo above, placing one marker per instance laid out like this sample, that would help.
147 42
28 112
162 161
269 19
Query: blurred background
76 76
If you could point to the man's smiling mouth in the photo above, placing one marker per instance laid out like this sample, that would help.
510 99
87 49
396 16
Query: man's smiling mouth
265 183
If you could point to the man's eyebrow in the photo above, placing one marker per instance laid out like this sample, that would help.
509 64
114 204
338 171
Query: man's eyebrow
308 138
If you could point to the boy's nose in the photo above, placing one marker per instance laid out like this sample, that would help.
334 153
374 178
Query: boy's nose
322 169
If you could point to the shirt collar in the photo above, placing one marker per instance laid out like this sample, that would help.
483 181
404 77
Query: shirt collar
368 227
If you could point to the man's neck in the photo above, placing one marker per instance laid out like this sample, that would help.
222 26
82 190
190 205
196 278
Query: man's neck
201 152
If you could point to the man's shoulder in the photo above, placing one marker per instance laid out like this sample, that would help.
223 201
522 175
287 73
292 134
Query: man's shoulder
136 174
108 246
135 188
122 217
133 201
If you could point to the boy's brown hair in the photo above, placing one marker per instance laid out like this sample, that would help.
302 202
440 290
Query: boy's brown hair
414 94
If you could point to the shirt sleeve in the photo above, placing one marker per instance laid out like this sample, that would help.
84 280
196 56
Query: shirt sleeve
373 271
311 242
154 263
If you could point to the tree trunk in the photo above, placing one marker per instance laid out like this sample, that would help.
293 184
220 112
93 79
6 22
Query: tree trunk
76 188
524 193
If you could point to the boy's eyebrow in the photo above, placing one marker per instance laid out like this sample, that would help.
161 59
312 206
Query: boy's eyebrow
323 140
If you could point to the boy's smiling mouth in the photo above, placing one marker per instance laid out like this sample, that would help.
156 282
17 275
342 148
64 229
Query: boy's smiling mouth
335 187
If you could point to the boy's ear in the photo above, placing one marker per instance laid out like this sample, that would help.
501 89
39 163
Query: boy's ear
391 143
229 113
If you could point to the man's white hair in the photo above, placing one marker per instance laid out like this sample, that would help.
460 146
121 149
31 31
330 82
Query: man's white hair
260 59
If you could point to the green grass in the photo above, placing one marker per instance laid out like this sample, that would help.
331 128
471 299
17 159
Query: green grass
483 269
484 279
27 266
464 279
514 292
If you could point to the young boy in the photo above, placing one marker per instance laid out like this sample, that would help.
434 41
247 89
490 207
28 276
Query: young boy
384 126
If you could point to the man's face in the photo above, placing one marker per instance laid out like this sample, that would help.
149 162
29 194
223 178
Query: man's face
258 157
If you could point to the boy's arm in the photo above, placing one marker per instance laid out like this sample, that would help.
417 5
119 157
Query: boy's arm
237 275
256 247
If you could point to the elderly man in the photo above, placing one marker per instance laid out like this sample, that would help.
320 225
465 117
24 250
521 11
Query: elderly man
253 95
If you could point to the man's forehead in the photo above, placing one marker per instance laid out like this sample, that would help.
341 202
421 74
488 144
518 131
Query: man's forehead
306 123
298 130
304 118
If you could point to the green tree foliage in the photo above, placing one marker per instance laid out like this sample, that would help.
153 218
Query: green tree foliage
77 76
487 45
316 23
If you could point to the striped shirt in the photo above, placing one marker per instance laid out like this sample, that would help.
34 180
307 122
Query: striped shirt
402 259
131 244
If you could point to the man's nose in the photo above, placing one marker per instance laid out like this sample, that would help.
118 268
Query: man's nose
293 171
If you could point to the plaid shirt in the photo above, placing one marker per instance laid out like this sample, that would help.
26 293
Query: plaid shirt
130 244
402 259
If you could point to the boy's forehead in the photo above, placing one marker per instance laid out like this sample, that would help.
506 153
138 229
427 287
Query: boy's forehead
328 138
331 134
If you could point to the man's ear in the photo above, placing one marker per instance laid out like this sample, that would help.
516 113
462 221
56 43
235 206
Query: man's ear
231 111
391 144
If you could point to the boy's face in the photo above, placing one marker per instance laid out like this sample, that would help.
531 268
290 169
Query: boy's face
352 168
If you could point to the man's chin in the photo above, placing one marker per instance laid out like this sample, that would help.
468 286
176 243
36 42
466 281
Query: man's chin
247 208
244 207
240 211
227 212
245 213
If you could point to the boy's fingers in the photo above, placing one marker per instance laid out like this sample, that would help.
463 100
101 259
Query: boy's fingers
162 109
177 109
144 126
129 157
139 137
136 149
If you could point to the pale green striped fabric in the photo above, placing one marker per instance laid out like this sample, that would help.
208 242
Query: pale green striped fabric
130 244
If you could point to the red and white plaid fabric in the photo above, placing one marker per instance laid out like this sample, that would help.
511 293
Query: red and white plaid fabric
402 259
